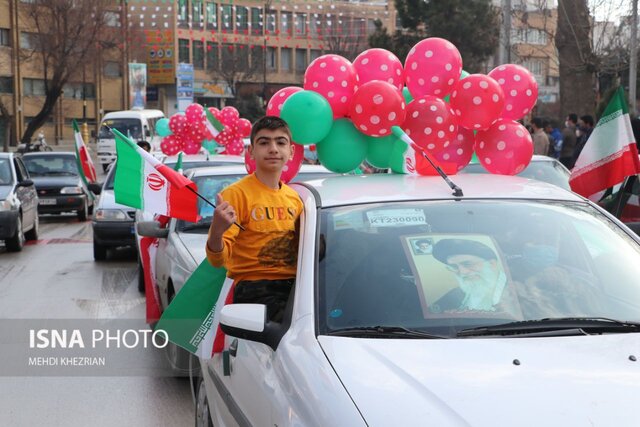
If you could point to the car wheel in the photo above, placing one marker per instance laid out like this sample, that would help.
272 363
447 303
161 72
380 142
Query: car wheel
141 287
83 213
203 414
99 252
16 242
33 233
177 357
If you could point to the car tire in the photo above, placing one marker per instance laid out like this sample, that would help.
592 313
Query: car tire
16 242
83 213
141 287
177 357
203 412
99 252
33 233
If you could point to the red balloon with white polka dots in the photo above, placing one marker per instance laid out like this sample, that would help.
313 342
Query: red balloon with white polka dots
376 107
277 100
505 148
477 101
379 64
335 78
520 89
430 123
432 67
459 150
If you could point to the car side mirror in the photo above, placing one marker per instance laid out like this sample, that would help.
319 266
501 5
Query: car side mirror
151 229
25 183
147 133
95 188
249 322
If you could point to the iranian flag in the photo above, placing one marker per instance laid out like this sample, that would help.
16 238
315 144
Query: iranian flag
610 153
212 124
85 164
192 319
144 183
407 157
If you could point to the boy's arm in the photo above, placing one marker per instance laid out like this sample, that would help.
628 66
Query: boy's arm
222 233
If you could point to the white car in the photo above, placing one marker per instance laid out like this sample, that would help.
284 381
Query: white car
539 329
181 246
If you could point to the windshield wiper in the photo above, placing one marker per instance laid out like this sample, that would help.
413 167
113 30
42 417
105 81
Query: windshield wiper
589 325
383 332
60 173
198 226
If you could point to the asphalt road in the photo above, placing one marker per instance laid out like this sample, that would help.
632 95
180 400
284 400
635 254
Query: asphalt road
57 278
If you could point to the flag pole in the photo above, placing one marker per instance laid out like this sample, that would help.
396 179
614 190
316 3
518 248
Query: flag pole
211 204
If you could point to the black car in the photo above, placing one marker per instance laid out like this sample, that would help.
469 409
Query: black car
60 188
18 203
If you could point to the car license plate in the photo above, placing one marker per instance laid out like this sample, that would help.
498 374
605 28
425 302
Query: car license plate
47 201
133 229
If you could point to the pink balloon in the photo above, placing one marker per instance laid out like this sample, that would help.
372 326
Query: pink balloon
432 67
178 123
379 64
459 151
277 100
505 148
224 137
520 89
335 78
214 111
235 147
477 101
194 112
376 107
291 168
229 116
430 123
244 128
192 148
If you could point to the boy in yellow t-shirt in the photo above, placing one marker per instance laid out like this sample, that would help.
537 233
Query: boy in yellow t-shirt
262 258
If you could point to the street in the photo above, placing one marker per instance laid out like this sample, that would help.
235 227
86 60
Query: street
57 278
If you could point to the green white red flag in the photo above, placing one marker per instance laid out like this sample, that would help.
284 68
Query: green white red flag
85 164
191 320
610 153
143 182
212 124
407 157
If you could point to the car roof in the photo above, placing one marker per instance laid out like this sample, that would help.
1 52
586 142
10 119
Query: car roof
6 155
50 153
355 189
133 114
232 169
205 157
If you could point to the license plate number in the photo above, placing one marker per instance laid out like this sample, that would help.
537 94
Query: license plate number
47 201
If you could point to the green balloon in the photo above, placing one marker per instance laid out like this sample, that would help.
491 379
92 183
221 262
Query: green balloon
308 115
210 145
343 149
463 75
162 127
379 150
407 95
396 159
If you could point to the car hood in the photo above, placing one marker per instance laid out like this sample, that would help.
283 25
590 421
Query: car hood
56 181
108 201
5 190
195 244
559 381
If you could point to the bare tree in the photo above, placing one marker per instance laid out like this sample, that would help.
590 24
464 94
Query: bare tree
238 64
67 34
345 36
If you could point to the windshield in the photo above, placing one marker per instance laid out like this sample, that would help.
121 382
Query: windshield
51 165
129 127
545 171
209 187
440 267
5 172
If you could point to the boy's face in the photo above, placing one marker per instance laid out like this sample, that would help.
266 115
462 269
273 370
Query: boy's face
271 149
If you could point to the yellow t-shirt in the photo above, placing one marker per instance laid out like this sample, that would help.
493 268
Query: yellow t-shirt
268 247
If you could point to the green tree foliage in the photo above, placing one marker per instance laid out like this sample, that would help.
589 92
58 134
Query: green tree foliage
472 25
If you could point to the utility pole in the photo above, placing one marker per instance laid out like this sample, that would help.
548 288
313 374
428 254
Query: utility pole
267 6
633 62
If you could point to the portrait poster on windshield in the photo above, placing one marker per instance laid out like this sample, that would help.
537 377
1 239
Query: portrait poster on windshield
459 273
137 86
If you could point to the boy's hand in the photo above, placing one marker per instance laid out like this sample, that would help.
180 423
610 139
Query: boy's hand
223 217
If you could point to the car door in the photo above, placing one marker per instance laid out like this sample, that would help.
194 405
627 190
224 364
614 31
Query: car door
27 195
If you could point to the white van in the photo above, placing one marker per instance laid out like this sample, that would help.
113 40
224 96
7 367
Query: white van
140 125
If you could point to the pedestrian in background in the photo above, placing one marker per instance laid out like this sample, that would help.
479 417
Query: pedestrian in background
540 139
569 140
555 139
585 127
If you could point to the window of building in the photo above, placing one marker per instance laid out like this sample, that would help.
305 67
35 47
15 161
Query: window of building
242 18
212 15
183 51
314 24
29 40
272 58
242 56
196 12
5 40
198 55
112 19
271 21
537 68
33 87
74 90
227 17
286 22
112 69
300 24
227 55
182 13
301 60
285 59
212 56
371 26
257 57
256 20
6 84
314 53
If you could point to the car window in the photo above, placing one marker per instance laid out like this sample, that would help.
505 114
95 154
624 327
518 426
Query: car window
545 171
110 179
129 127
51 165
445 266
6 177
208 187
21 170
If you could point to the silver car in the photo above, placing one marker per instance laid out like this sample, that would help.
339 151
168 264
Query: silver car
18 203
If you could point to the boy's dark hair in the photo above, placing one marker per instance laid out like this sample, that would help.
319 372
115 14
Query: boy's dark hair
269 122
573 117
537 121
587 119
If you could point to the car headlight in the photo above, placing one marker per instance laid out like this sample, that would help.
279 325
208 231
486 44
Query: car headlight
110 215
5 205
71 190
